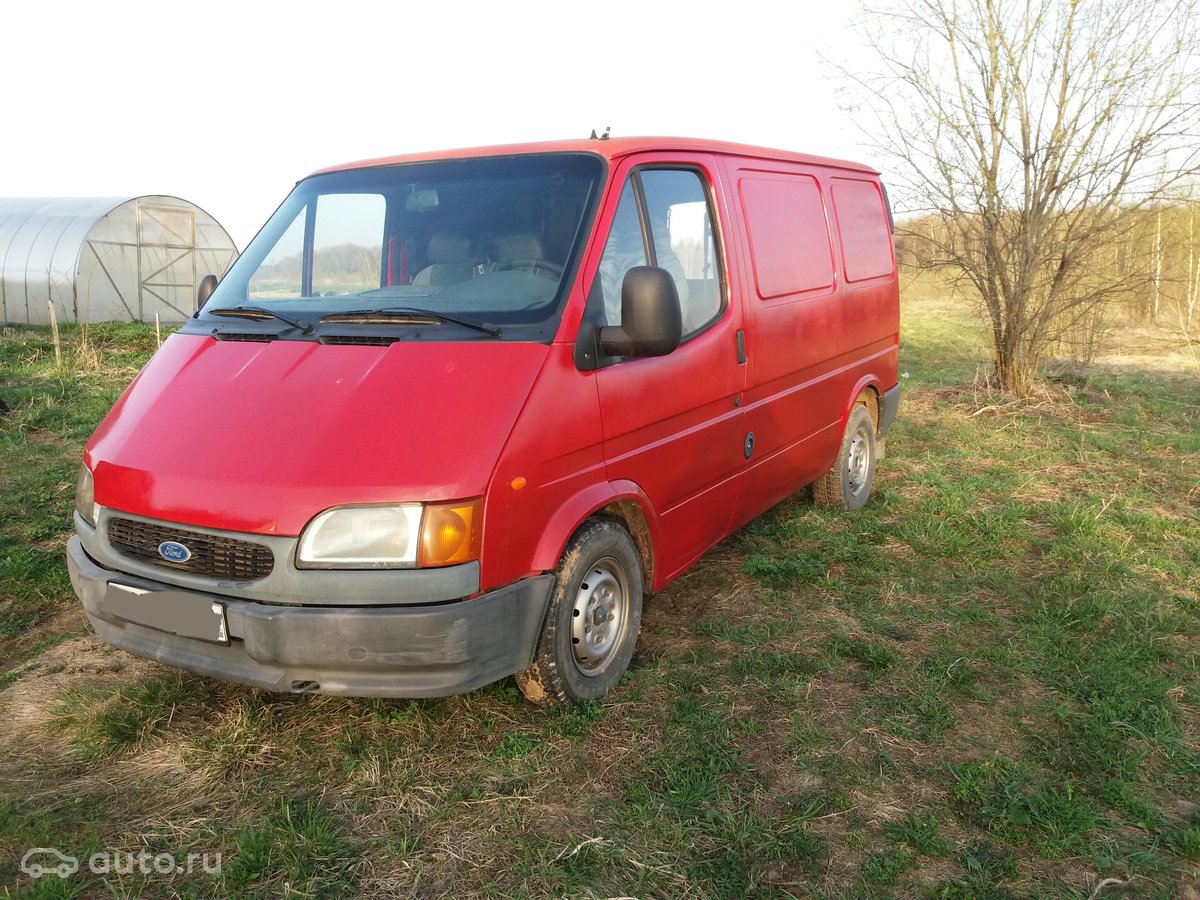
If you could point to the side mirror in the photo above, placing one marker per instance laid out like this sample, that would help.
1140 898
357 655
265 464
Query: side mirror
208 284
651 320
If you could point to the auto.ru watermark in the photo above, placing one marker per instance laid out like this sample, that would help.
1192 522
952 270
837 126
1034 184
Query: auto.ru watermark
43 861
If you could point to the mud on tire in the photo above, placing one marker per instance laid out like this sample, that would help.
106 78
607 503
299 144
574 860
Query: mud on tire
593 620
848 484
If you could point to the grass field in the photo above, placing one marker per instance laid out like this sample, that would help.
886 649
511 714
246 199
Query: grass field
986 684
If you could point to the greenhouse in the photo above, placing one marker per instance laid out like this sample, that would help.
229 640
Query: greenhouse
100 259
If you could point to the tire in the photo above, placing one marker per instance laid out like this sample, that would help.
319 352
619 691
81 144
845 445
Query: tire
848 484
593 620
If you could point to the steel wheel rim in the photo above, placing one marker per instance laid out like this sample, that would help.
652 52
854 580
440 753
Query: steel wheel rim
599 616
858 462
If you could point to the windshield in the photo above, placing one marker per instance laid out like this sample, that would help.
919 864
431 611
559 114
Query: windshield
463 242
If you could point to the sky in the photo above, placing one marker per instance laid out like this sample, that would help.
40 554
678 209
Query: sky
229 104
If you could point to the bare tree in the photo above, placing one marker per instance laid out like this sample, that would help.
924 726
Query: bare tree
1032 129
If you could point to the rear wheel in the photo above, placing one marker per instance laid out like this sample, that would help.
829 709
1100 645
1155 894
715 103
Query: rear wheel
848 484
593 621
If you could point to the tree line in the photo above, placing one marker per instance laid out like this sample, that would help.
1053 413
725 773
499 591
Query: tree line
1142 269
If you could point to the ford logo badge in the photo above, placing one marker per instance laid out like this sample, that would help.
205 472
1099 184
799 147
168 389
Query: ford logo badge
173 551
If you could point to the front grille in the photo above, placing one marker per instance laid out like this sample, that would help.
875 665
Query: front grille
212 556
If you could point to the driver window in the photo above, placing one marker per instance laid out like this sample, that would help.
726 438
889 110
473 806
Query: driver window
682 242
624 250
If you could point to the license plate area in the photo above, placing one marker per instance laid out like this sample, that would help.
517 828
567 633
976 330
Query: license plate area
175 612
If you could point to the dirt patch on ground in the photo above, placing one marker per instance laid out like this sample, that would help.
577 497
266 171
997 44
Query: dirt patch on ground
27 705
40 437
70 621
716 587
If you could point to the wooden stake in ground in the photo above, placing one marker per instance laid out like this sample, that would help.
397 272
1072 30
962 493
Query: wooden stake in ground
54 333
157 330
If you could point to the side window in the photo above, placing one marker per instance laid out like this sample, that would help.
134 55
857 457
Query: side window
683 241
624 250
679 226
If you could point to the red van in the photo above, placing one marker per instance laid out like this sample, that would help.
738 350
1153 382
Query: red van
451 416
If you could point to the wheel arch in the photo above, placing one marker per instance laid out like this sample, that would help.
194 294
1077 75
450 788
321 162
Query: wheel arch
867 392
622 500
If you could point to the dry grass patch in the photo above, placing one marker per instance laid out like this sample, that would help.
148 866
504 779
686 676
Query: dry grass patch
28 705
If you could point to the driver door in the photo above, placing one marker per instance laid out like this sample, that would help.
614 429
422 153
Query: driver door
673 424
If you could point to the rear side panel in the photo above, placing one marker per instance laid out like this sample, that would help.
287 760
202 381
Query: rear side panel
814 336
790 290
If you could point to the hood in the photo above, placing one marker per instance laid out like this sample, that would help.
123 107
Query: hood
260 437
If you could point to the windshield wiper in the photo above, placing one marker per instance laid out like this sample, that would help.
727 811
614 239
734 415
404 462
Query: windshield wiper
258 312
408 314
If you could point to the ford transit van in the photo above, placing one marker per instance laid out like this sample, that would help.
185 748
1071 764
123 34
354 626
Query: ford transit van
450 417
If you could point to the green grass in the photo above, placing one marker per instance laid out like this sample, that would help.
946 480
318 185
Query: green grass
53 411
920 832
887 867
985 684
297 846
106 722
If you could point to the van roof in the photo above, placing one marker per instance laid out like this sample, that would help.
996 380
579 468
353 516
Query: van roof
609 148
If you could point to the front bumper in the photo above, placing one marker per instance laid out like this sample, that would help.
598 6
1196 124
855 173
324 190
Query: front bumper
368 651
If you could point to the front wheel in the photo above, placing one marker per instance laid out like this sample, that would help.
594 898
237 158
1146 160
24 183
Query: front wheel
848 484
593 620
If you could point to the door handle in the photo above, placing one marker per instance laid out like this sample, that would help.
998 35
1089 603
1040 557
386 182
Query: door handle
741 347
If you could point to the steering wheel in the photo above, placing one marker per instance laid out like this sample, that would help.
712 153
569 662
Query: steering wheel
533 266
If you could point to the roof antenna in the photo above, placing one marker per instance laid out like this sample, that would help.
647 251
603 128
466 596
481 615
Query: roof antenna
603 137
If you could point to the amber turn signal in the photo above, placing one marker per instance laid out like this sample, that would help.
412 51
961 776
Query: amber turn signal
450 533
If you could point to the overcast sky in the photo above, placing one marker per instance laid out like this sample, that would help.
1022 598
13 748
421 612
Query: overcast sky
228 104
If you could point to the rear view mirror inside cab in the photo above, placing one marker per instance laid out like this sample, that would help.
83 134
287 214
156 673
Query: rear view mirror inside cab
421 201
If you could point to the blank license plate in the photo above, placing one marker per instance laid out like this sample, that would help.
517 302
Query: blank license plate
176 612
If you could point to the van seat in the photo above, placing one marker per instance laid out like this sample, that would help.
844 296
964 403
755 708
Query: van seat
449 261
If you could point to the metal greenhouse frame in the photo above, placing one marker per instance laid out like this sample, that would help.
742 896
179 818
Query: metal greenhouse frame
105 258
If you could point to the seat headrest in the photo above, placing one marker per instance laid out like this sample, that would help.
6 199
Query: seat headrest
518 246
448 248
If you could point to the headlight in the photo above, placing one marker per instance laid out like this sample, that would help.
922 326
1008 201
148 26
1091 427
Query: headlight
85 496
362 537
392 537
